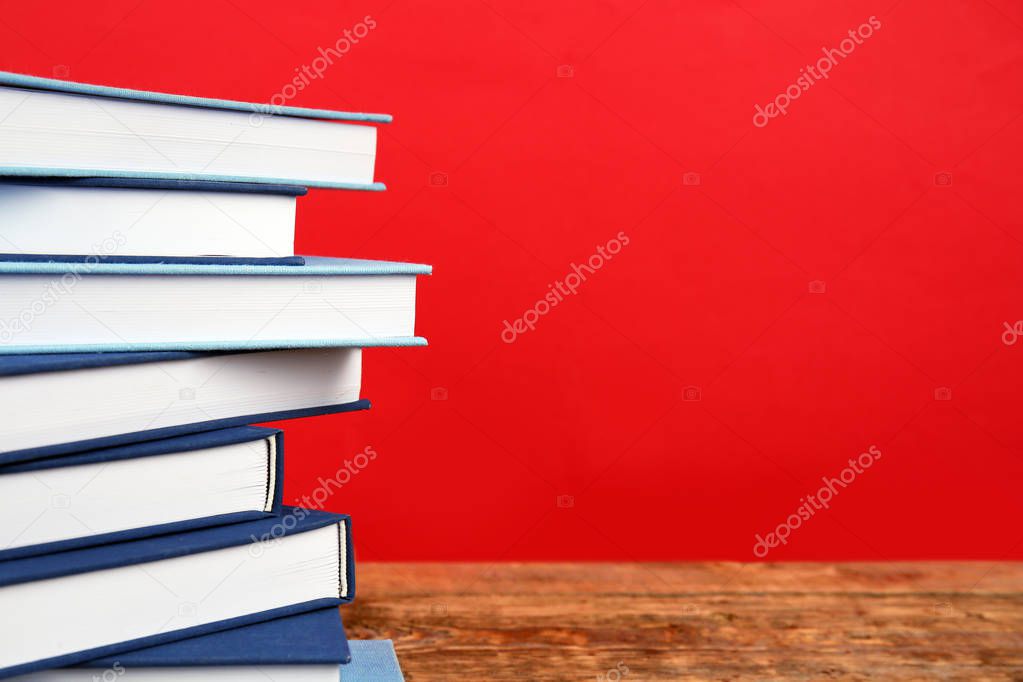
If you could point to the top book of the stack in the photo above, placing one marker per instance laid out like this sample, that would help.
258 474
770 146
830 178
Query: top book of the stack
60 128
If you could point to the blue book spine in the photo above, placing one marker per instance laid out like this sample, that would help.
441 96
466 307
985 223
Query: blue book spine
177 176
373 660
20 80
145 183
86 259
313 266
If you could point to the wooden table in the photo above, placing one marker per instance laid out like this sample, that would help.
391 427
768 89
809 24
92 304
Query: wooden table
696 621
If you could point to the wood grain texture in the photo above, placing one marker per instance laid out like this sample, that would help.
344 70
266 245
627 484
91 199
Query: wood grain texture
696 621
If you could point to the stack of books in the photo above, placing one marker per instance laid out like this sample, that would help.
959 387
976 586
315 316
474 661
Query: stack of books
152 308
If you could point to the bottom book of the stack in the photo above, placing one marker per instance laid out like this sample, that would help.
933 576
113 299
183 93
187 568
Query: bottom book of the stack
309 647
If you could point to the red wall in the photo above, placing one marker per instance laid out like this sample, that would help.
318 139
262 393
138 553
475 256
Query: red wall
918 275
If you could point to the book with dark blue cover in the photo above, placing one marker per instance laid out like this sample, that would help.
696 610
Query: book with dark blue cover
145 183
316 637
32 454
313 638
15 573
156 448
20 365
28 569
15 365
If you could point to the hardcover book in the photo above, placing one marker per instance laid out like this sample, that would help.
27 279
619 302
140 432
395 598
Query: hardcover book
151 488
81 605
127 220
309 647
66 403
373 660
53 127
113 307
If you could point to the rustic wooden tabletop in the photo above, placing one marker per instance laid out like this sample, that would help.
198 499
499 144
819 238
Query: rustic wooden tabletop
696 621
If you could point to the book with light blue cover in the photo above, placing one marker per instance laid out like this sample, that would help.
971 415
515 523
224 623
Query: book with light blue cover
314 265
143 134
54 307
373 660
21 80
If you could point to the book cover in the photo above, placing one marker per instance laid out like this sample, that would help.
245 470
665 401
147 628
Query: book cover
373 660
115 182
89 259
20 80
314 266
311 638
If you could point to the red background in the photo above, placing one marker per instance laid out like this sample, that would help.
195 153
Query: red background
713 290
